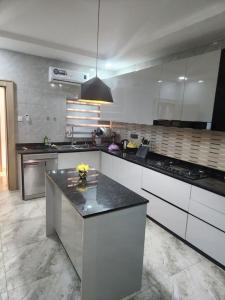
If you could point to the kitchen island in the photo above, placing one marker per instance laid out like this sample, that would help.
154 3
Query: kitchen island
101 225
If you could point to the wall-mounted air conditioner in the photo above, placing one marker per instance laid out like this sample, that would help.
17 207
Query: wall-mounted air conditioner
59 75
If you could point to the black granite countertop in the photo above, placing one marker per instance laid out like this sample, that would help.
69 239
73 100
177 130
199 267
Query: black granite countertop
215 182
58 149
98 195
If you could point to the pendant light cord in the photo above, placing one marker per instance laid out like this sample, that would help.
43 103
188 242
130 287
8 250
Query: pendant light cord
96 70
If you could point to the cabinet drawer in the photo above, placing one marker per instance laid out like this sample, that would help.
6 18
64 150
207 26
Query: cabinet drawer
207 214
207 238
168 215
167 188
209 199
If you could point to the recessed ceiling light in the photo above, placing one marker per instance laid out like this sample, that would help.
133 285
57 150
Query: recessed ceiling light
200 81
159 81
60 85
182 78
52 85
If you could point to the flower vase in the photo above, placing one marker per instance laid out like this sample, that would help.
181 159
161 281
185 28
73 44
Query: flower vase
83 176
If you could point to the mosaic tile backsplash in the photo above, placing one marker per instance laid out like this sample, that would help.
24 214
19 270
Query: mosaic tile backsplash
202 147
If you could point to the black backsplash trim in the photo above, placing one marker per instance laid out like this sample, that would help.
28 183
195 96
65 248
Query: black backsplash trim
218 119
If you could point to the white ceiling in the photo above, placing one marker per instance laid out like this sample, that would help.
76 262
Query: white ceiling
131 31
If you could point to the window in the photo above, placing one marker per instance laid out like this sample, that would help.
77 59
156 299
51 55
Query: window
83 118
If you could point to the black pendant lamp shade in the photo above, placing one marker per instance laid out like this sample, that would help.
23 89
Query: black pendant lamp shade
96 91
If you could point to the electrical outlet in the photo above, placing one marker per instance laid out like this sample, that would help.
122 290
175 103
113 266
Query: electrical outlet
134 136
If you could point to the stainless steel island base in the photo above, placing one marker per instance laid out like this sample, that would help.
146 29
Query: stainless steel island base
106 249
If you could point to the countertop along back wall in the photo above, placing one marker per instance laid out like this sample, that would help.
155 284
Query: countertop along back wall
35 96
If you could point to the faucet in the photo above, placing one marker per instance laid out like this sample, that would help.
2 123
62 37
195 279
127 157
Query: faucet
72 139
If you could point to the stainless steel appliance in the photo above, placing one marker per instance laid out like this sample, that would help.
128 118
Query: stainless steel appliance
34 167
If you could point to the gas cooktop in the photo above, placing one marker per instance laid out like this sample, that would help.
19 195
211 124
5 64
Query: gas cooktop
181 169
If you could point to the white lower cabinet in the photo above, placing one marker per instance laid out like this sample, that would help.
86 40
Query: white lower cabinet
206 238
155 187
168 215
127 174
208 207
207 214
71 159
107 165
209 199
170 189
122 171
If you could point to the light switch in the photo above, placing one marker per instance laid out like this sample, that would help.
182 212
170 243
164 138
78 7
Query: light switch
27 118
20 118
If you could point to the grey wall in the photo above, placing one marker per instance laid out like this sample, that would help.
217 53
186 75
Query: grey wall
35 96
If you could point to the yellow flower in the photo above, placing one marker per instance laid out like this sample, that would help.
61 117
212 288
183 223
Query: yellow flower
82 167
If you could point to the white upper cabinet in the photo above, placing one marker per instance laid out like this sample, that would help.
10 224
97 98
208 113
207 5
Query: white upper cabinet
142 94
171 90
135 97
200 87
179 90
116 110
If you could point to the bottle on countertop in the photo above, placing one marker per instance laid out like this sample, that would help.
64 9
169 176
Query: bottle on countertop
124 144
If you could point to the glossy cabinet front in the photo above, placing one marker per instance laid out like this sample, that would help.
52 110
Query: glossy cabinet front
171 90
200 87
71 159
183 89
206 238
71 233
115 111
169 189
135 97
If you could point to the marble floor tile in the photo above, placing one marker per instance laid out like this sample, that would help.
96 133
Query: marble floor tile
63 285
3 296
153 288
12 199
166 253
41 202
8 194
202 281
13 214
0 238
37 268
33 262
2 275
23 233
10 202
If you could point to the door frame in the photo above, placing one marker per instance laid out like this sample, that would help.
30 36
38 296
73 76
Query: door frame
10 105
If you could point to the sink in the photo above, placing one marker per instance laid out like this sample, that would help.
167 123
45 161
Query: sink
84 146
73 147
66 147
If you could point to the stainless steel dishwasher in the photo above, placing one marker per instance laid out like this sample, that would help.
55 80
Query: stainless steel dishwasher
33 171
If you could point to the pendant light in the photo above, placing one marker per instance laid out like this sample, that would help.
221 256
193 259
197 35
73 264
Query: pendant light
95 90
